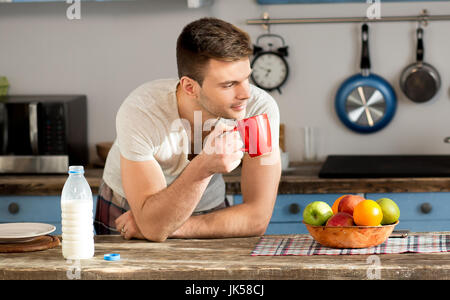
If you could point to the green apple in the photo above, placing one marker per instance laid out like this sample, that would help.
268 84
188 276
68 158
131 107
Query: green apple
391 212
317 213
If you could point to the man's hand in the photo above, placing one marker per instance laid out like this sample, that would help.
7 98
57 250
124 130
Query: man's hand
222 150
127 227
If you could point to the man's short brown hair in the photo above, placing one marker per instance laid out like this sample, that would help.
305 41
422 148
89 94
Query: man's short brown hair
209 38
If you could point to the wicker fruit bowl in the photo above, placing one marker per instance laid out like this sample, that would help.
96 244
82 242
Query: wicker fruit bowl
350 236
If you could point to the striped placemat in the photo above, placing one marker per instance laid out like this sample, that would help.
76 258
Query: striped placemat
305 245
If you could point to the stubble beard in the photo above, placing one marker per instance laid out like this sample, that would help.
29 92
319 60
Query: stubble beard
218 112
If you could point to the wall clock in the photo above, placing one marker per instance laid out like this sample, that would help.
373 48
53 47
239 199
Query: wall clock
270 68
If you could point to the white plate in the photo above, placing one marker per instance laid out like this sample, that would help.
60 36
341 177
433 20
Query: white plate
22 232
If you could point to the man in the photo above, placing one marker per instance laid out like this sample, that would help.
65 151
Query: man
152 190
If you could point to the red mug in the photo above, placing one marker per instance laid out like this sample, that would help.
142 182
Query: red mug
255 134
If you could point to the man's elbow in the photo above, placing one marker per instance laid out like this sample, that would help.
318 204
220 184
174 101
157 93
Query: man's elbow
158 237
262 229
260 226
154 232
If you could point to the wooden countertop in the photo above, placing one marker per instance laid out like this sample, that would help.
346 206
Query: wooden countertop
213 259
299 179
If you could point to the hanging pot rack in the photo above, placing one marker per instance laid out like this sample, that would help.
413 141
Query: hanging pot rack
423 18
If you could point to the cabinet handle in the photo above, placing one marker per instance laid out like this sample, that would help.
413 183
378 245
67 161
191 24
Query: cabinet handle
426 208
294 208
13 208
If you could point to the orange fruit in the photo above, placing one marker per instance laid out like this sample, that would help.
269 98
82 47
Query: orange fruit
335 206
367 213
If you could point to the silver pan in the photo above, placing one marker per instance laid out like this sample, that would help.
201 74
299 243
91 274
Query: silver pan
420 81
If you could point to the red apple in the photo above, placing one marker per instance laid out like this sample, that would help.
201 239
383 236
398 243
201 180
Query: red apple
340 219
348 203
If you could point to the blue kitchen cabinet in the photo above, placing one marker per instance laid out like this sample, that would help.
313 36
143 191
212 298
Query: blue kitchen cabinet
420 212
40 209
287 214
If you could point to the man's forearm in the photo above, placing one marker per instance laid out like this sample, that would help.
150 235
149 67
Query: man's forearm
235 221
162 213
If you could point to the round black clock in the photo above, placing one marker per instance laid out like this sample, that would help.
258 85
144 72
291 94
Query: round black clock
270 68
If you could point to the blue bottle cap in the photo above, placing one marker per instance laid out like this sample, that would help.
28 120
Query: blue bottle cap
76 169
111 256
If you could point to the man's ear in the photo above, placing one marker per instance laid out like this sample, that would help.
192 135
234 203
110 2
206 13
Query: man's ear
189 86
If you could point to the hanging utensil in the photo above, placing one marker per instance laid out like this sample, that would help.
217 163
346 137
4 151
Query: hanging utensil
420 81
365 102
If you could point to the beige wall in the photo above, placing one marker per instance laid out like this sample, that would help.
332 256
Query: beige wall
117 46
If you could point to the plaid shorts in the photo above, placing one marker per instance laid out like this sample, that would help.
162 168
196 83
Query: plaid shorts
110 206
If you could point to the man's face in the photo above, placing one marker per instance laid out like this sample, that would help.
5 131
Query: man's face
226 89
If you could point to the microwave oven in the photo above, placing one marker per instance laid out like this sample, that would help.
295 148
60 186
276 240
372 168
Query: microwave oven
42 133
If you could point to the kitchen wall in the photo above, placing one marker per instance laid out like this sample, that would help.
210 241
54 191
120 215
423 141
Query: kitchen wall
117 46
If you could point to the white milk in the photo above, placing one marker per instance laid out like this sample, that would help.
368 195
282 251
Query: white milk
77 229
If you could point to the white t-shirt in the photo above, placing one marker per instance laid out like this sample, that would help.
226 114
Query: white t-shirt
148 127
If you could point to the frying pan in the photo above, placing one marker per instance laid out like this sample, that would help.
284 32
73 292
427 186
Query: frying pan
420 81
365 102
